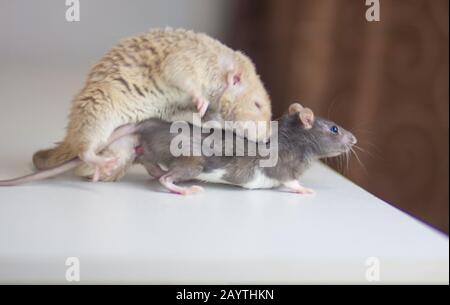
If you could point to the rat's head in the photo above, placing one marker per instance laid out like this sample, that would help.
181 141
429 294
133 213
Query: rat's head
324 138
245 101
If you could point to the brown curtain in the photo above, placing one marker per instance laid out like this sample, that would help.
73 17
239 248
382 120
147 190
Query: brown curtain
387 81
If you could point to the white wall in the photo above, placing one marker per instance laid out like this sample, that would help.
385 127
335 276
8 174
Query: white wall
37 32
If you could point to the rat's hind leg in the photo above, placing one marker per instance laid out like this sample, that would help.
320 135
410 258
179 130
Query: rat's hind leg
183 169
91 125
119 154
123 151
103 166
154 170
169 180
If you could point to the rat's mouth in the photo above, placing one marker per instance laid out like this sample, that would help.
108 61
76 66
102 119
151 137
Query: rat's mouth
346 149
335 154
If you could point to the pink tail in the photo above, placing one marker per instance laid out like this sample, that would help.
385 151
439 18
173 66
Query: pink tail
43 174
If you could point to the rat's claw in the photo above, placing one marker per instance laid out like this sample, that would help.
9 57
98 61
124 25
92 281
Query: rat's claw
96 176
296 187
305 191
195 189
202 105
186 191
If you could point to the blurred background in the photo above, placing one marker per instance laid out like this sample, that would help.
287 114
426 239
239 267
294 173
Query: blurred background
387 81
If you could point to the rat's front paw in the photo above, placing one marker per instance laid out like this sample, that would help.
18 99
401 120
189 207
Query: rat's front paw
304 191
202 105
195 189
296 187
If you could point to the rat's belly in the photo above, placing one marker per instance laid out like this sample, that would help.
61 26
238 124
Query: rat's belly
258 181
215 176
261 181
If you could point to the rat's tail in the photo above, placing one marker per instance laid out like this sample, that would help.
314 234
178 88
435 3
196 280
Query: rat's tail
43 174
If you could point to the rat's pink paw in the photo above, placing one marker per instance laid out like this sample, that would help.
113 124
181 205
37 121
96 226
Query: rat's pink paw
167 182
202 105
191 190
305 191
296 187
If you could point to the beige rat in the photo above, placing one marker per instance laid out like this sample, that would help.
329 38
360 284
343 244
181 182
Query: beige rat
167 74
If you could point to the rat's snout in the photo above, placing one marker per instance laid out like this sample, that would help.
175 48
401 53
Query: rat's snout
353 140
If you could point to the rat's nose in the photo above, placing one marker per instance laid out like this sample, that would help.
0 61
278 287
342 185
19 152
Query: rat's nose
353 140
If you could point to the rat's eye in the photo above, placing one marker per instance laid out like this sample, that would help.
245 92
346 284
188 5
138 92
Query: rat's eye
258 105
334 129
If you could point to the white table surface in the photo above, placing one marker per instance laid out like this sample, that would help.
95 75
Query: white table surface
135 232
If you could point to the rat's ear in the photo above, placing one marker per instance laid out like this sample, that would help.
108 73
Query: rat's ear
234 79
295 108
307 118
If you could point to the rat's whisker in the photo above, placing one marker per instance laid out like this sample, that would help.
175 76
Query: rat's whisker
345 159
339 164
375 147
359 160
364 151
359 147
374 153
348 159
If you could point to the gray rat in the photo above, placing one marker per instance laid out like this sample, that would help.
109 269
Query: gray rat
302 138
